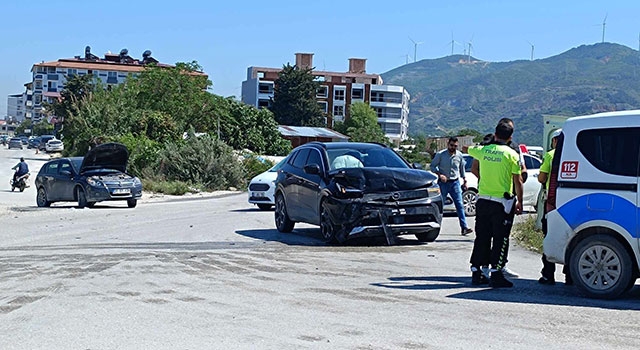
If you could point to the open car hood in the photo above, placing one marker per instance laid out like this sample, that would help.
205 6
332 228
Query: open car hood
106 156
383 179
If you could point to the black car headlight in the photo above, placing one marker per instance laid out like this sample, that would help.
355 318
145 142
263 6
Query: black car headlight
348 192
94 182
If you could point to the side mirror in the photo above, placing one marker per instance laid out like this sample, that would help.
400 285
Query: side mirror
417 166
65 172
313 169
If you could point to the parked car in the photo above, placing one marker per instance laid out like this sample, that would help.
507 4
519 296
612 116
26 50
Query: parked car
43 141
531 186
356 189
262 186
34 142
54 145
24 139
15 142
99 176
593 203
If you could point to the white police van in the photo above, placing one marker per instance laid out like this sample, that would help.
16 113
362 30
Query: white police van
593 215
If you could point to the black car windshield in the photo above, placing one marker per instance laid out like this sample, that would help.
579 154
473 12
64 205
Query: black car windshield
367 157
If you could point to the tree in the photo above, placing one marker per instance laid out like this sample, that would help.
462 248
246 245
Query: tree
294 98
362 125
477 136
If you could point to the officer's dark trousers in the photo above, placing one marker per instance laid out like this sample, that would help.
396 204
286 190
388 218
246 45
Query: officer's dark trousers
548 268
492 235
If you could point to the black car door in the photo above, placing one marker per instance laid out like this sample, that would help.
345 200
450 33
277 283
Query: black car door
64 181
309 189
48 180
291 185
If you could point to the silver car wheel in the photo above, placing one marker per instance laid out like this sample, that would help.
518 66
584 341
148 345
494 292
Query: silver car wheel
599 267
469 199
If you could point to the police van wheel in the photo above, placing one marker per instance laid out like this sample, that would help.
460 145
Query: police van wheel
601 267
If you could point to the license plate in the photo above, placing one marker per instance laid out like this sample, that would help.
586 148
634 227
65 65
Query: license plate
121 191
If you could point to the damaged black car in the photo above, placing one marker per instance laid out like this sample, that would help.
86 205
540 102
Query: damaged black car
353 190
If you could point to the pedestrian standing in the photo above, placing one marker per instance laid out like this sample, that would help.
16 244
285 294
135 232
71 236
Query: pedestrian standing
449 165
499 175
548 268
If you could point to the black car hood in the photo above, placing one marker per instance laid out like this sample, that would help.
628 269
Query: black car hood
383 179
106 156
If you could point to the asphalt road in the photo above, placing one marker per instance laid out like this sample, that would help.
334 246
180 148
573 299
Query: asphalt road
213 273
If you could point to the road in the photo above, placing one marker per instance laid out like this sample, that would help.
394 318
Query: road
213 273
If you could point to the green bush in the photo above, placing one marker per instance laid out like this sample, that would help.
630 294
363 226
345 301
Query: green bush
254 166
527 235
177 188
143 152
204 161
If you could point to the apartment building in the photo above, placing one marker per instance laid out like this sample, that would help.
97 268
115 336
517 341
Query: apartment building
49 78
16 108
338 90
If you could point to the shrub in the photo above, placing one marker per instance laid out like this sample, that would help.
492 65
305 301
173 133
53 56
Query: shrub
177 188
143 152
254 165
528 235
202 160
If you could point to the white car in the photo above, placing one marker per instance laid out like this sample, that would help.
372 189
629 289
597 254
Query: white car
54 145
262 187
470 196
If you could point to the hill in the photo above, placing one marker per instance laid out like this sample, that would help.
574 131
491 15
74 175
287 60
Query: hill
453 92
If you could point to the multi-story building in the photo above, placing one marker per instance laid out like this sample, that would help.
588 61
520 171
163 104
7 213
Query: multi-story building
49 78
338 90
16 108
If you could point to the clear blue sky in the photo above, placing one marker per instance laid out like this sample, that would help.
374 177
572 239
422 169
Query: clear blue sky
226 37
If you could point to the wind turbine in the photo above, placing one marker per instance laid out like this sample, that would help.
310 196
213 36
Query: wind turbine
470 44
531 49
415 49
604 24
406 56
453 42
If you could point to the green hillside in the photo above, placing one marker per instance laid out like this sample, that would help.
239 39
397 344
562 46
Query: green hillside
451 93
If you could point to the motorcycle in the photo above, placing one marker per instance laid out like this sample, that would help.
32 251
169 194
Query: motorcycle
20 183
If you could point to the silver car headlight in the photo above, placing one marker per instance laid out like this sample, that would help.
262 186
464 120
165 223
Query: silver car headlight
136 181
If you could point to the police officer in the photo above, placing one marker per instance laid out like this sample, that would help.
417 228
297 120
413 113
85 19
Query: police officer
549 268
499 176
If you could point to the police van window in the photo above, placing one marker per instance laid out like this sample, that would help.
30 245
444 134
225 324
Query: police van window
301 158
614 151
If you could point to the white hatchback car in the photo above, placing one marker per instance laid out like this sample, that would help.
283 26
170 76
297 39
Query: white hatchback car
54 145
261 187
470 196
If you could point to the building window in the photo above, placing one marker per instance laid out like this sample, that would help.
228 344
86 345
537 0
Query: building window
379 112
112 78
377 96
357 94
37 99
260 75
320 78
38 84
323 106
265 88
52 77
51 70
323 92
41 69
338 94
52 86
264 104
338 111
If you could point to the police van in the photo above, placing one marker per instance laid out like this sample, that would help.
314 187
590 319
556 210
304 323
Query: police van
593 204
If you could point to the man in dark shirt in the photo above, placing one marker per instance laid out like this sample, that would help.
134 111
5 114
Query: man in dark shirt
22 168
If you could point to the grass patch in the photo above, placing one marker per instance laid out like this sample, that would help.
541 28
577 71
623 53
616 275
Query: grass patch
527 235
177 188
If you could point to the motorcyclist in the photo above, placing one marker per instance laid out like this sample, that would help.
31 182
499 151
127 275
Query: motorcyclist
21 169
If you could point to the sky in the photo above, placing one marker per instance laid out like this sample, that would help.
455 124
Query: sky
227 37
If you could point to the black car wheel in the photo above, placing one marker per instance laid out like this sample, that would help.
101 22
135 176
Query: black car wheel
283 223
131 203
82 198
41 198
327 228
429 236
601 267
264 206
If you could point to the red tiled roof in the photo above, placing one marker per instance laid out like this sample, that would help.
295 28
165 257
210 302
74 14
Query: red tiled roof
101 65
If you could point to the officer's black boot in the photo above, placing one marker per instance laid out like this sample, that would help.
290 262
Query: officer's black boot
498 280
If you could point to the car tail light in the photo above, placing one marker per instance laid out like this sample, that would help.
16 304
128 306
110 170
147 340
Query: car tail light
553 180
523 149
